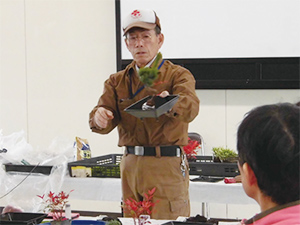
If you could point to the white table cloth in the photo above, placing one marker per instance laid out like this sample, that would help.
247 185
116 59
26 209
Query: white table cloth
109 189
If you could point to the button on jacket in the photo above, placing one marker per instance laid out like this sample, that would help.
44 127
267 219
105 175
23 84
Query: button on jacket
168 129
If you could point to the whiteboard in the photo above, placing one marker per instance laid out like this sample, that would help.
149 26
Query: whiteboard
223 28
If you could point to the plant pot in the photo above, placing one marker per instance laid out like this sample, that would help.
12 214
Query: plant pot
230 159
226 160
216 159
64 222
142 220
191 159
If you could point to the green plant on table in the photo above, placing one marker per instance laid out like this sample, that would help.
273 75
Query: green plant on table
224 153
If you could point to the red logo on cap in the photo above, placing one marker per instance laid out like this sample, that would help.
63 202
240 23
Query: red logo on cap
136 14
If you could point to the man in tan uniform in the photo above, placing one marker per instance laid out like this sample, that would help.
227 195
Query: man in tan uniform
153 156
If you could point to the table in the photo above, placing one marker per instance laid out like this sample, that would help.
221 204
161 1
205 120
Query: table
106 189
109 189
129 221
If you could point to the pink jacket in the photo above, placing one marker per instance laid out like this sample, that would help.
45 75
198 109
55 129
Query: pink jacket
288 214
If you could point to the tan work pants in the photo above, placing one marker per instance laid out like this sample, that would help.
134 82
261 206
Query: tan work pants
142 173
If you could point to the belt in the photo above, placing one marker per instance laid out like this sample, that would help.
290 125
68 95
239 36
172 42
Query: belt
151 151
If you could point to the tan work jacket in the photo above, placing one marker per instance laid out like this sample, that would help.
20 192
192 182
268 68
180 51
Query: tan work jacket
170 128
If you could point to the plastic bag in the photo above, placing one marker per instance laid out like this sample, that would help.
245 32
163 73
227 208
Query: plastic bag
21 189
14 148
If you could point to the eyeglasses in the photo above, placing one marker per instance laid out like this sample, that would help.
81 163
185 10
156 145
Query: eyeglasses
145 38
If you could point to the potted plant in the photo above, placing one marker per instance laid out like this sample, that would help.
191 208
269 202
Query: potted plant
191 149
55 204
141 210
148 75
158 101
221 154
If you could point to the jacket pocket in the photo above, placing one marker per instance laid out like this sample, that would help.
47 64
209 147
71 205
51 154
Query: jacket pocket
179 205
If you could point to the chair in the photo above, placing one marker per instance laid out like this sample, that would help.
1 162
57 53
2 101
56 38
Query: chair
199 138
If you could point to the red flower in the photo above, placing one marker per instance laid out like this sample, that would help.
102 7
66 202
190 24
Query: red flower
55 204
135 208
191 148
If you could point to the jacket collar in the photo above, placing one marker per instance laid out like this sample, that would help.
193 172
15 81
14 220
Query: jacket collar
130 68
269 211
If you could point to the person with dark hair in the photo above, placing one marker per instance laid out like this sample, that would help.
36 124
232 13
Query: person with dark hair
154 155
269 157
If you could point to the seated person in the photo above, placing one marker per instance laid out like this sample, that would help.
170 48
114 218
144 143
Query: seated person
268 149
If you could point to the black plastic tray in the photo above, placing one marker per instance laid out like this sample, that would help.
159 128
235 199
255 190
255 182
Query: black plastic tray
205 166
162 105
20 218
28 168
101 166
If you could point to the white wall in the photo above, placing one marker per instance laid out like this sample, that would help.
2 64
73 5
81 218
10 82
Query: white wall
55 56
221 111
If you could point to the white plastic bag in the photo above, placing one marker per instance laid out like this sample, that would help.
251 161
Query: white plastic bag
17 149
22 189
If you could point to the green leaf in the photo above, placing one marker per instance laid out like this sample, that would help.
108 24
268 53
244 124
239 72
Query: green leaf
148 75
223 153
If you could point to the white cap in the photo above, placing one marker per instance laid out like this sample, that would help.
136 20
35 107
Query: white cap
143 18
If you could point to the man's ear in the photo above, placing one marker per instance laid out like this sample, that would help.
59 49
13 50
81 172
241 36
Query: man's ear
249 175
161 39
126 42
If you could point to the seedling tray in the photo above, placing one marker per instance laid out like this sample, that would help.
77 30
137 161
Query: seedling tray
162 105
19 218
28 168
102 166
205 166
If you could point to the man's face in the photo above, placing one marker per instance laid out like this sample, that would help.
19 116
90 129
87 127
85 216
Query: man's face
143 45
